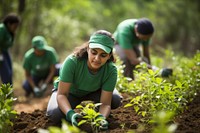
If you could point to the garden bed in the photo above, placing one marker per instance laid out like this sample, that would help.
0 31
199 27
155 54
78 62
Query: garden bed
120 121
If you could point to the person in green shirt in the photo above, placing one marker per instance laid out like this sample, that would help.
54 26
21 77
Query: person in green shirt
87 74
7 34
41 65
130 34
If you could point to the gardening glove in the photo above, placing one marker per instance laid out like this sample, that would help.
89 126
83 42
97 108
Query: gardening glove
103 122
166 72
36 91
72 117
43 87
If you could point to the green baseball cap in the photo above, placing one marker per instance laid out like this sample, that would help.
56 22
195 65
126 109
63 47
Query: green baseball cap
101 41
39 42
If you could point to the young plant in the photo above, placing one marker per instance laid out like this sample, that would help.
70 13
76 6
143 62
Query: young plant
6 110
90 116
154 93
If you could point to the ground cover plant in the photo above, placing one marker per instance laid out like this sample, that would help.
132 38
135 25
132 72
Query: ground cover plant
145 97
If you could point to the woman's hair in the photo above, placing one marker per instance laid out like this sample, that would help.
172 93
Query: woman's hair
11 19
81 51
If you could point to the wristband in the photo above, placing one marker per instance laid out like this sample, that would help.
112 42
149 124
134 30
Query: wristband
100 116
70 114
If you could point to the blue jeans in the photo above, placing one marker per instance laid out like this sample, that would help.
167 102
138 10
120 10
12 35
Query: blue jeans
36 79
6 68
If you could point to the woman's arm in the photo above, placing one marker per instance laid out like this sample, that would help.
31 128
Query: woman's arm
105 99
63 91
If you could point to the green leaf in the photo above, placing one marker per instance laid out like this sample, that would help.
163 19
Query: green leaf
128 105
136 108
144 113
150 72
82 122
178 84
79 106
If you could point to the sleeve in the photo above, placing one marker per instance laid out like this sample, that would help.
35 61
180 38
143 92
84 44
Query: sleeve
26 63
53 57
68 69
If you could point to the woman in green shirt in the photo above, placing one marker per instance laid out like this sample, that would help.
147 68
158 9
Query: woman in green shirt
7 34
87 74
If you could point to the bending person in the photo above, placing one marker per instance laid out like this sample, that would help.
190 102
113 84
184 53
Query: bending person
87 74
40 65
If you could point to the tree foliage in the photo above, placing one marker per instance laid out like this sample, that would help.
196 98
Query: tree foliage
68 23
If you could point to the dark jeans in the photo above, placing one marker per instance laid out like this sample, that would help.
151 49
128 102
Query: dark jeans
55 114
6 71
36 79
128 69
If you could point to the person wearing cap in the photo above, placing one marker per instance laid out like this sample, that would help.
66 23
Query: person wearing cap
89 73
129 35
7 34
41 65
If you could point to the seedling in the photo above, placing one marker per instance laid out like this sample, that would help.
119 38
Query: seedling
90 116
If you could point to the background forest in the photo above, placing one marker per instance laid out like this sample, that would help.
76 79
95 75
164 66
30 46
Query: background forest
69 23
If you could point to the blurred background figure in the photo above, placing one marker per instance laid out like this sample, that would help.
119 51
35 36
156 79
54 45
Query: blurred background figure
40 65
129 35
8 28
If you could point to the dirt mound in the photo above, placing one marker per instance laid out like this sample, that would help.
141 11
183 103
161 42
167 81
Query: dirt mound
120 121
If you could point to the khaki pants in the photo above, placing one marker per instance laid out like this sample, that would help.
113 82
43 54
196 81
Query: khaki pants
128 69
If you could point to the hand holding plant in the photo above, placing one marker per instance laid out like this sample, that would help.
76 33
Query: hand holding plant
90 116
73 117
102 121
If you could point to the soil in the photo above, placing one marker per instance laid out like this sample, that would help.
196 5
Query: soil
31 116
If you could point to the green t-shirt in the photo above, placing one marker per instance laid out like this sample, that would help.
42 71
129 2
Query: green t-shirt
6 40
125 35
76 71
40 65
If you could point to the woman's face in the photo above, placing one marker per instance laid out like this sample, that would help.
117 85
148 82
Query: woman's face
13 27
96 58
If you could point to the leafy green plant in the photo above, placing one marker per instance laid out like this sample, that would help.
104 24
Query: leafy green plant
123 83
162 122
66 128
154 93
6 110
90 116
